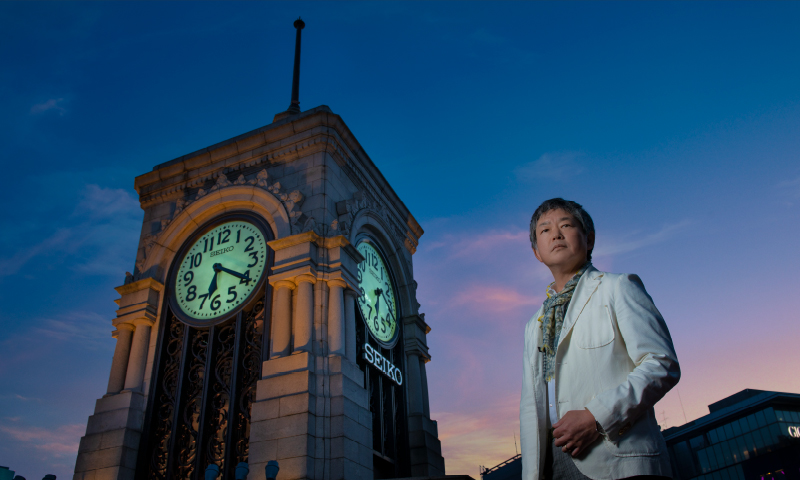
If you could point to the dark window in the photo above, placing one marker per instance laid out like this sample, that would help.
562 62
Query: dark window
751 420
712 436
762 421
781 415
750 443
795 417
721 434
204 386
728 431
737 429
744 425
683 458
704 464
770 415
697 442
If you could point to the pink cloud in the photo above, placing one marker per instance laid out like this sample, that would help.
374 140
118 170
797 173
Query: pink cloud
59 442
476 437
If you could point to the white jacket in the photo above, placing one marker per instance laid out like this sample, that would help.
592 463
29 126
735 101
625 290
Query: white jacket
614 357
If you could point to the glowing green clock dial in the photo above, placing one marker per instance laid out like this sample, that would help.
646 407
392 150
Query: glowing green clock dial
377 302
220 270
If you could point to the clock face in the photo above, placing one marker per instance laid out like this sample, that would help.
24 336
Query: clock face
377 302
219 271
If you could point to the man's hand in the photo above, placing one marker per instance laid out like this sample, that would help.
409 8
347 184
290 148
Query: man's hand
576 430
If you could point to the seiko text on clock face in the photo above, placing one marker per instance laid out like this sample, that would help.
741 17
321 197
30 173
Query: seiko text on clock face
377 302
220 270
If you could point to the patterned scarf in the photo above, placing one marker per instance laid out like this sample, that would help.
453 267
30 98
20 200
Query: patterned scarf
552 319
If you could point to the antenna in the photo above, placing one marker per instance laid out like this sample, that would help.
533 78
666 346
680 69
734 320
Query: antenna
516 452
294 107
679 399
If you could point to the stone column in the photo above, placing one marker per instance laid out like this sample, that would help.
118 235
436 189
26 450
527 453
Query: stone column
282 319
336 318
304 314
414 385
119 365
138 356
350 324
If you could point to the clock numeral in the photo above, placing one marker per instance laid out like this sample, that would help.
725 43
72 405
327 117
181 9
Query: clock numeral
359 274
238 235
231 291
188 277
191 294
196 260
249 245
212 242
204 297
205 245
375 323
215 303
245 280
220 239
255 259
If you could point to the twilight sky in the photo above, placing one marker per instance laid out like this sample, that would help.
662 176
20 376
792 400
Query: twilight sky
677 126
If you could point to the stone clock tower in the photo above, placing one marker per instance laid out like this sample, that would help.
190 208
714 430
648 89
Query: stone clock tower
271 315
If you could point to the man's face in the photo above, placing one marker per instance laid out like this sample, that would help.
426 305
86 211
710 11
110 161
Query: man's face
560 241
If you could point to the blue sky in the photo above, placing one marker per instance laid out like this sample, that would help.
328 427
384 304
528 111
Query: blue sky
677 125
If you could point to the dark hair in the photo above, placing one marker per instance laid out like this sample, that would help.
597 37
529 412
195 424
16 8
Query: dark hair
573 208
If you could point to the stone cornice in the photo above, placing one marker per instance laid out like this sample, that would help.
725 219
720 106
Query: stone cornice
139 285
309 237
319 129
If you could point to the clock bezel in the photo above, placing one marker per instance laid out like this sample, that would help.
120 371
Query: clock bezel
174 305
393 278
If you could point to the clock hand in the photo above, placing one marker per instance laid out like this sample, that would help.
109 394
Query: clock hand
213 287
388 304
219 268
378 302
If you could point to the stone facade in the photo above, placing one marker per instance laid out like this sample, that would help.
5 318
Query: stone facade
310 180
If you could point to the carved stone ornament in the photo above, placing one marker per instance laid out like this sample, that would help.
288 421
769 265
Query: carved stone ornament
360 202
291 201
148 242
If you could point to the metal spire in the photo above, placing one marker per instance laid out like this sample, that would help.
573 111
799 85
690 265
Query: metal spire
294 107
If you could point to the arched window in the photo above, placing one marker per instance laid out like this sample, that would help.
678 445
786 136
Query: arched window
201 391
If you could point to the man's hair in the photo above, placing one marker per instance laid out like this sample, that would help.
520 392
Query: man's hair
573 208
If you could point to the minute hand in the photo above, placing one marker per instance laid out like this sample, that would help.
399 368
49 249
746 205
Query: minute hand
388 304
220 268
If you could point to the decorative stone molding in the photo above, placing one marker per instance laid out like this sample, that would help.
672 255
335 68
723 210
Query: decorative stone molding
291 202
361 202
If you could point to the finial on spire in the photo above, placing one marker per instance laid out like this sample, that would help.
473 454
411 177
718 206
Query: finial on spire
294 107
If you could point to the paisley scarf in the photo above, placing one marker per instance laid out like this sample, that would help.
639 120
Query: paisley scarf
552 319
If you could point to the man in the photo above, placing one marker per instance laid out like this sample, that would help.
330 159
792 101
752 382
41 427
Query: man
598 356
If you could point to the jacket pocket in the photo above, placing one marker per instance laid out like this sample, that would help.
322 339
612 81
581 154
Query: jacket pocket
594 328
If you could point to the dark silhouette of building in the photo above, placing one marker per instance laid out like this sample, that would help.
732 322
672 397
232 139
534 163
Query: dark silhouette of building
751 435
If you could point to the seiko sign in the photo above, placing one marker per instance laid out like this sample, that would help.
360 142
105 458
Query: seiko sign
382 364
794 432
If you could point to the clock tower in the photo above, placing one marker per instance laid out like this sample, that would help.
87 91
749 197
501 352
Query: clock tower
271 315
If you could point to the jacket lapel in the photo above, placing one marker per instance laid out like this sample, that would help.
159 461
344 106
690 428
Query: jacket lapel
587 285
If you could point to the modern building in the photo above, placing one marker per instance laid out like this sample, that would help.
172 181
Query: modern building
751 435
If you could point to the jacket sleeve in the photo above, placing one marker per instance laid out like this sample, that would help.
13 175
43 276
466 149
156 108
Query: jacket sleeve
528 420
649 347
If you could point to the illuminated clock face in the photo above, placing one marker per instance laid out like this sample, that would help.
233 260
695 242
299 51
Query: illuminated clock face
219 271
377 302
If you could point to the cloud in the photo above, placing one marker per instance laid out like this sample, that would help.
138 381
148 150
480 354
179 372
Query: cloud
494 298
475 438
551 166
52 104
87 329
790 187
635 241
97 238
62 441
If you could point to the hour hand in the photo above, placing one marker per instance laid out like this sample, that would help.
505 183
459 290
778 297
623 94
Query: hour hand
213 287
